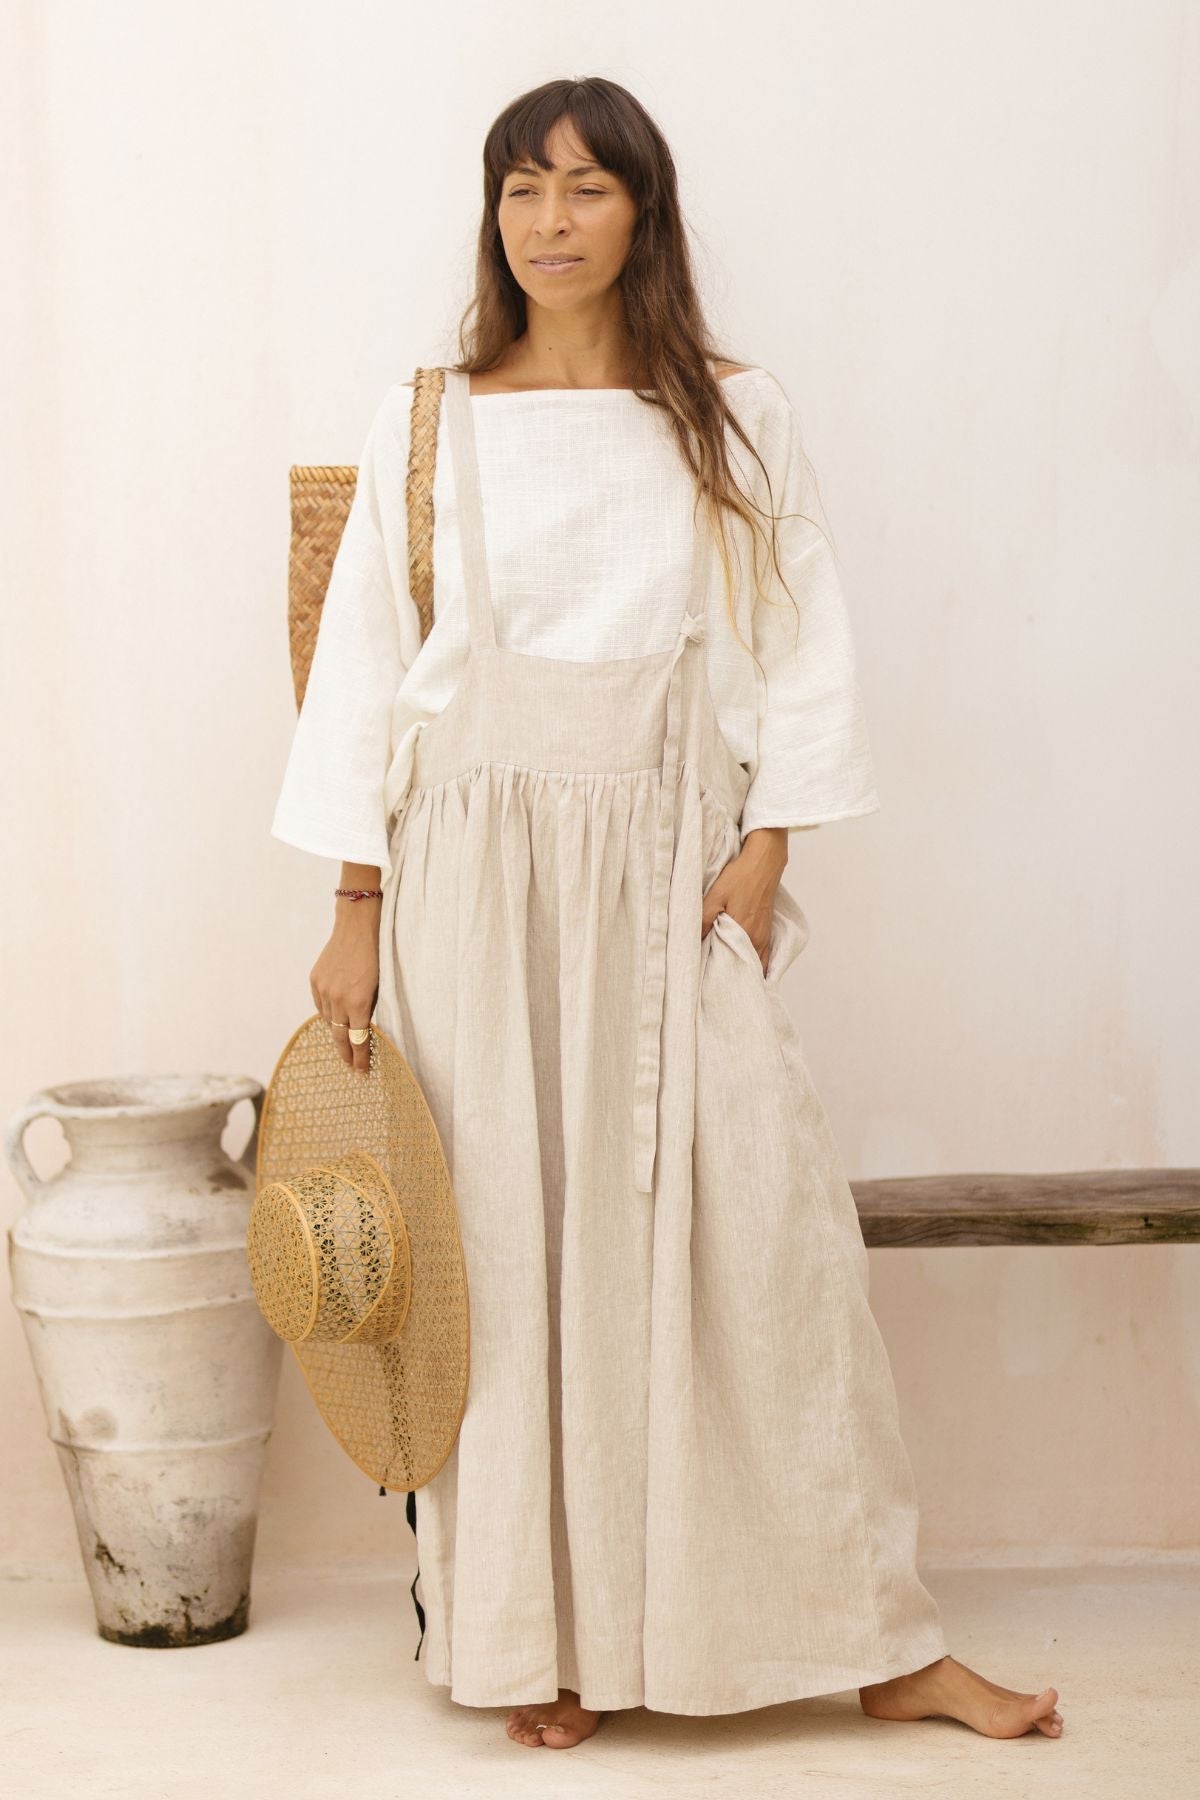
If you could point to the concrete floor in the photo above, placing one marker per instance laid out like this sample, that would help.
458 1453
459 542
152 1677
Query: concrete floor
321 1698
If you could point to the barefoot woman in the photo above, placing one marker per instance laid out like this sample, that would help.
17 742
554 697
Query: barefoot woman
679 1481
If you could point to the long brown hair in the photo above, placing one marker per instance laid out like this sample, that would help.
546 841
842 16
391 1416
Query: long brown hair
669 338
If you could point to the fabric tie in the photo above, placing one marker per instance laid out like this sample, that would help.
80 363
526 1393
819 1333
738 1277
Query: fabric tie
654 981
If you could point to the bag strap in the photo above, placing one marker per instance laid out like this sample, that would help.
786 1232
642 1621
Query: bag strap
428 385
320 500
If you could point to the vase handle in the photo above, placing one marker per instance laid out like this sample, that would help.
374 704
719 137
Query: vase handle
249 1157
14 1143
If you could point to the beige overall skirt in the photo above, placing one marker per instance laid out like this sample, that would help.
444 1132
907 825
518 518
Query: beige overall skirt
679 1481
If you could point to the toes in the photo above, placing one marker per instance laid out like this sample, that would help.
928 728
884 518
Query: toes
561 1737
519 1727
1047 1718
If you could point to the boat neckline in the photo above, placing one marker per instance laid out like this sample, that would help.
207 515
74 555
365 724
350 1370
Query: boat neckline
534 393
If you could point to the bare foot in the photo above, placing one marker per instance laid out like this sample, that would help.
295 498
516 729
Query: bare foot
565 1720
949 1689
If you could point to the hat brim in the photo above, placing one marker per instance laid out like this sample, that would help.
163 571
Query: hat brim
395 1407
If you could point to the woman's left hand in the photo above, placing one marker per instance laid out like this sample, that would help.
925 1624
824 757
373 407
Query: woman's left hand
745 887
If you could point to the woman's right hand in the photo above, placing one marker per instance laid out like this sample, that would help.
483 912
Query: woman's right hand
345 977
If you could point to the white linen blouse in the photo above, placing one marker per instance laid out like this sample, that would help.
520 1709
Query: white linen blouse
588 527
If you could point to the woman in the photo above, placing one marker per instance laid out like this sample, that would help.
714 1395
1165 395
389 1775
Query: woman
679 1480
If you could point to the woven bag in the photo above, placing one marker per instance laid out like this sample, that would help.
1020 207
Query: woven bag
320 505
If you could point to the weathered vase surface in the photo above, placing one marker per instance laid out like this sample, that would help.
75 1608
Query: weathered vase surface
158 1372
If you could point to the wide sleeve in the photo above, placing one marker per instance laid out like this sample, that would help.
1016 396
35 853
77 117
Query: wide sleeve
332 799
813 762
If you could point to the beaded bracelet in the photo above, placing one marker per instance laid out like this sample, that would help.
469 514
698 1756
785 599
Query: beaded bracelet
360 893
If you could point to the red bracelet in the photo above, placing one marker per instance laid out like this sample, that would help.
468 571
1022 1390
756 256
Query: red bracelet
360 893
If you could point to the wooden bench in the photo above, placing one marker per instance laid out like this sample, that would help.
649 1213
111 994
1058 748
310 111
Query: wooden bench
1092 1206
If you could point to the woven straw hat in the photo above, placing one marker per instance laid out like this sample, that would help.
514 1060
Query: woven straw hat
355 1253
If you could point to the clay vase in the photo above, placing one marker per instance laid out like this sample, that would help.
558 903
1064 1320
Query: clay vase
157 1371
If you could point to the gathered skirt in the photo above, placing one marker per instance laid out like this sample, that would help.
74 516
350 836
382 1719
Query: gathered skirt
680 1480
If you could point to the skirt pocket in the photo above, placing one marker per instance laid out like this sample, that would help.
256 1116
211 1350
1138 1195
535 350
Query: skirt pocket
789 935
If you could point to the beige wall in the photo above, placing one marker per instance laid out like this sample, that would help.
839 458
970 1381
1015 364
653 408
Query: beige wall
966 240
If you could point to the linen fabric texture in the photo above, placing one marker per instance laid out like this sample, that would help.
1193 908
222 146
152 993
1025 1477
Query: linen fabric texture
588 516
679 1480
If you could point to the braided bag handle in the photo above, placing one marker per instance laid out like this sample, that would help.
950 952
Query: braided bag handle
320 505
422 458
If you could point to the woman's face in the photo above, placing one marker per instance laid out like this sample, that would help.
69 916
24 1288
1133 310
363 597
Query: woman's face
566 231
